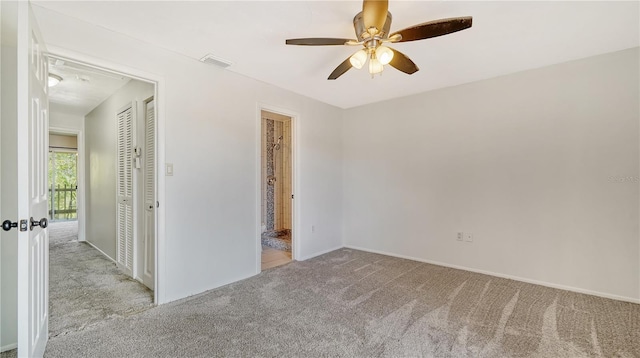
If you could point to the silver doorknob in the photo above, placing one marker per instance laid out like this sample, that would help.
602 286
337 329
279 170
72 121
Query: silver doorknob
43 223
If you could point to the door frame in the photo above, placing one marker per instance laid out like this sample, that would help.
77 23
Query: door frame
295 204
159 292
79 133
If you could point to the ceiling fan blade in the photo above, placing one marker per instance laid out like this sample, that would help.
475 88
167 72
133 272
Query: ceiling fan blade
341 69
319 41
374 13
403 63
434 28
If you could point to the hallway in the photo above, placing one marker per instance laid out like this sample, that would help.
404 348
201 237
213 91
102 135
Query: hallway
85 287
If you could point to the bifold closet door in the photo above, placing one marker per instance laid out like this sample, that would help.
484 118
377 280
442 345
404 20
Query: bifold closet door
148 266
124 189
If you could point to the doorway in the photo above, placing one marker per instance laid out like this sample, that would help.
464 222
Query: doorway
114 116
63 177
277 189
112 256
25 123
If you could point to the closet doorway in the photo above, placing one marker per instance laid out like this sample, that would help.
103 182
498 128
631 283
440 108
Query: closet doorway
276 235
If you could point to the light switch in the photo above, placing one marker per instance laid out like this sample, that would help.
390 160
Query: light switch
169 169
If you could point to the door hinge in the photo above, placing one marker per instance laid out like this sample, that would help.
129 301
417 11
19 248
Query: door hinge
23 225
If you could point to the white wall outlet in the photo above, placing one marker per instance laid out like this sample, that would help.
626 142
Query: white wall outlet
169 171
460 236
468 237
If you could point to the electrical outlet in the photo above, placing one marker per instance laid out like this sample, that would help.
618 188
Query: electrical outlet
468 237
460 236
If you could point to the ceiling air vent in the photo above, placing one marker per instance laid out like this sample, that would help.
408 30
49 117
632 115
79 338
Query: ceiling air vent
213 60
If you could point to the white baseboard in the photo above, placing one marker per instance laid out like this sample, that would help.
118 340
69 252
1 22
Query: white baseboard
304 258
495 274
102 252
8 347
192 294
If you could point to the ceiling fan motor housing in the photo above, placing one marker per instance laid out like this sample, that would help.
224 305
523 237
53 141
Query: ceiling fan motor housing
361 32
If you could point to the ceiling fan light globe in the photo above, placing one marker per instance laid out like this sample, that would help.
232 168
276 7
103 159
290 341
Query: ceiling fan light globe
358 59
375 66
384 55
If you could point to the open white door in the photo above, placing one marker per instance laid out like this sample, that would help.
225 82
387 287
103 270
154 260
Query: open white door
33 237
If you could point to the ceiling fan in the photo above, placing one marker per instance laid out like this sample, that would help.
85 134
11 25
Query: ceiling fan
372 26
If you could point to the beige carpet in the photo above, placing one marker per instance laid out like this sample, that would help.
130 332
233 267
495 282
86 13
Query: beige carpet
356 304
85 287
9 354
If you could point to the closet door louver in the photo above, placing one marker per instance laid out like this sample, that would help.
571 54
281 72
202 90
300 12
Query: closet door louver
149 156
148 267
124 190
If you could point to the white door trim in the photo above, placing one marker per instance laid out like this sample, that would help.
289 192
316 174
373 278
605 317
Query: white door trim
159 95
79 133
295 205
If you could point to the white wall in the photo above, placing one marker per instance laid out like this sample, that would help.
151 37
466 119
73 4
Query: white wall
212 133
100 172
541 166
59 119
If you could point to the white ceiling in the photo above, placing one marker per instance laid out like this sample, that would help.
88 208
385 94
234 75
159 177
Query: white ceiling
82 88
506 37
